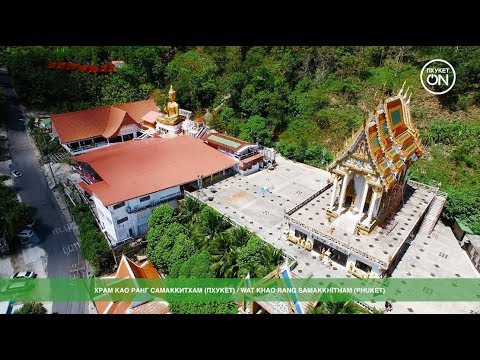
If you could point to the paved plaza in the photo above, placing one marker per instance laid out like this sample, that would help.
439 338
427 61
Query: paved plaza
242 199
259 201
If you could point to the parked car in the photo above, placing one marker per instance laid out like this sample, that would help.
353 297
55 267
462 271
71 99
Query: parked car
24 275
16 173
25 233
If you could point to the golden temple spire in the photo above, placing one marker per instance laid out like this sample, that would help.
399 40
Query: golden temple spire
171 91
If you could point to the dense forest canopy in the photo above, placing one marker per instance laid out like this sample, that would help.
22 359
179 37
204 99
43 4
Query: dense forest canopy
305 101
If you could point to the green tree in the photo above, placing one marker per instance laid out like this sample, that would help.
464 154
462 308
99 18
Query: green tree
239 236
211 222
13 214
188 209
183 249
192 75
256 129
250 257
197 266
34 308
161 216
159 253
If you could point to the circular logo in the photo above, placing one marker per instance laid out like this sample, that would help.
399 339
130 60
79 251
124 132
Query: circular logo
438 76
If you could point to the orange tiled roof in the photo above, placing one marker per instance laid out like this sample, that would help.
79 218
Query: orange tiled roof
151 117
128 269
140 167
85 124
391 140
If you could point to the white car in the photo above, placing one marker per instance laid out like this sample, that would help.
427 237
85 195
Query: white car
25 234
24 275
16 173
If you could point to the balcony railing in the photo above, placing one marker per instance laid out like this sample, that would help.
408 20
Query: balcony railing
244 156
138 208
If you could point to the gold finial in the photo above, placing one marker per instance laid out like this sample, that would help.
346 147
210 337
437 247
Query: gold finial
409 98
171 91
406 93
401 89
374 101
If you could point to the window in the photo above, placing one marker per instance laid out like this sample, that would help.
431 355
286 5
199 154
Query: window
119 205
145 198
300 235
362 266
122 220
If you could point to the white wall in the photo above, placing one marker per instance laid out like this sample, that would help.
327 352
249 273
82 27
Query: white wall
137 221
359 181
250 171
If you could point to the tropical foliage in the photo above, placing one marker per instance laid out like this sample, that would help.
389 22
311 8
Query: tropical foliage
93 245
204 243
305 101
34 308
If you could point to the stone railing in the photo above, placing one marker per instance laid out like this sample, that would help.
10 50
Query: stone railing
185 113
330 240
307 200
417 184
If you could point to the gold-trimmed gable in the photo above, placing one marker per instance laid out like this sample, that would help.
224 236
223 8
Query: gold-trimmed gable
397 120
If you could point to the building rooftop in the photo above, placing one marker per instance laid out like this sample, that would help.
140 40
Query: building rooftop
384 241
127 269
104 121
437 255
226 141
140 167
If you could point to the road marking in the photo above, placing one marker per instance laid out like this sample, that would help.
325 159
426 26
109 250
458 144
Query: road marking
68 249
66 228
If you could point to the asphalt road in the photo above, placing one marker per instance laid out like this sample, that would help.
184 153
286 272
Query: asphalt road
34 191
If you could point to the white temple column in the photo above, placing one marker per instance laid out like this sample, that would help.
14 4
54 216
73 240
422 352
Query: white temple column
372 206
364 196
346 179
334 192
377 207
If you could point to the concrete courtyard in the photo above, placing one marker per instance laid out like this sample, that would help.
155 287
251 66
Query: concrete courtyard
258 202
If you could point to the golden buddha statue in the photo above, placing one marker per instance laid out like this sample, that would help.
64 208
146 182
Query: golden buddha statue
170 115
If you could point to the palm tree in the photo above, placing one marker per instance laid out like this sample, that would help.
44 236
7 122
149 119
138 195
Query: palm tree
226 265
240 236
255 270
272 256
189 209
212 223
220 245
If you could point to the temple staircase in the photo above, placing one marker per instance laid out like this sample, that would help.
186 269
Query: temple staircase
202 131
346 223
432 215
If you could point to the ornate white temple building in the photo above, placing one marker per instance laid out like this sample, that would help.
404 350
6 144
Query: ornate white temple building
364 217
